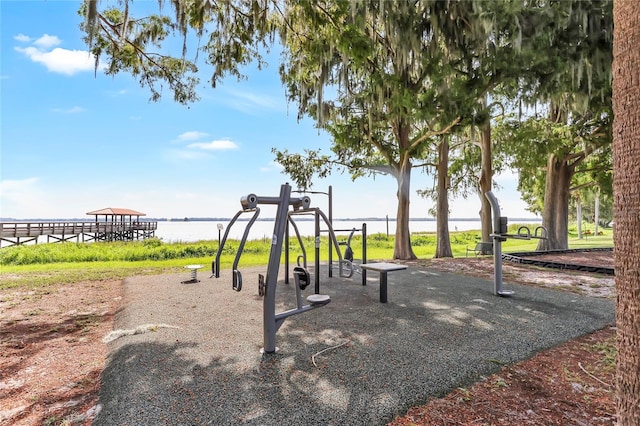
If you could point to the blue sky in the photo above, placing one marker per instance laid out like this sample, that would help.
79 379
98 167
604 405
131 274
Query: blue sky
73 141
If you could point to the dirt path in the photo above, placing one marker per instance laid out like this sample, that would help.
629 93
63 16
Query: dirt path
52 353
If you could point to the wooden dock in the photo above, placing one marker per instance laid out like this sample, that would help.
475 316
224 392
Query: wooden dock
15 233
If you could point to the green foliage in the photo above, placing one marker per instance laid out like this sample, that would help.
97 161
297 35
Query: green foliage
585 145
133 44
135 251
385 66
568 82
423 240
46 264
304 167
384 79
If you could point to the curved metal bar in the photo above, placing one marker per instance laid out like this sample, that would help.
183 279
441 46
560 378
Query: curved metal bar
353 231
304 251
215 265
526 235
543 233
332 235
244 238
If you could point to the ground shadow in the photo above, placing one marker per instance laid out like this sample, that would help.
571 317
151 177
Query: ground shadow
354 361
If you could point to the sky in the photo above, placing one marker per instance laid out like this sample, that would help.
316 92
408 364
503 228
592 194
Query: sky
73 140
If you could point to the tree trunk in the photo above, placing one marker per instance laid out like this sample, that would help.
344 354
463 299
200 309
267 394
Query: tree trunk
596 214
579 215
485 182
555 215
626 175
402 249
443 242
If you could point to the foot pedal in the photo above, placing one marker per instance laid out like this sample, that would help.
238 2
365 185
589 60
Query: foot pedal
237 280
261 285
302 277
318 299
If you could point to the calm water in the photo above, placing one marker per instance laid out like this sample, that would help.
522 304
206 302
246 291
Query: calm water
204 230
180 231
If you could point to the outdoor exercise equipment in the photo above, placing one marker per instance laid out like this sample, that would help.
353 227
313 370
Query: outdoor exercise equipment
215 265
194 274
500 234
344 266
267 287
349 260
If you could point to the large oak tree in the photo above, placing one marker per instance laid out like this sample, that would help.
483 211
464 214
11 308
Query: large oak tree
379 78
569 79
626 150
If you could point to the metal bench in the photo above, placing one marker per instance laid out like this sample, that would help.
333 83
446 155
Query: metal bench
481 248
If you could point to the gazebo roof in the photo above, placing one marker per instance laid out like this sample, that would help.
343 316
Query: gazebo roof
110 211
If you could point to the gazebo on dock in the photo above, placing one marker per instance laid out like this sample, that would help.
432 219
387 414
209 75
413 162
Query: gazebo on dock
118 224
110 225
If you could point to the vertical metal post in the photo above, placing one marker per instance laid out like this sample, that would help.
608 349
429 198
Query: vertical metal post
364 253
387 226
269 300
317 252
497 266
286 253
497 246
330 195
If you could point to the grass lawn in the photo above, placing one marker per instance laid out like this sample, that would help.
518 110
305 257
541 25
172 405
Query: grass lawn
45 264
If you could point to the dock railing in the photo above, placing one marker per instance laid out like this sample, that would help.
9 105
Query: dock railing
23 232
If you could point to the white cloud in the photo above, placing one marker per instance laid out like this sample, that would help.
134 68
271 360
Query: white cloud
260 100
252 103
274 165
22 38
9 186
181 154
72 110
47 41
116 93
191 136
58 60
18 196
218 145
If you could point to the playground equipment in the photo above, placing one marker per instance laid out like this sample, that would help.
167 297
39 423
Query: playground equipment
500 234
272 321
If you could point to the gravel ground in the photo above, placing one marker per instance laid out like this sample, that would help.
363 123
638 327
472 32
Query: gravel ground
355 361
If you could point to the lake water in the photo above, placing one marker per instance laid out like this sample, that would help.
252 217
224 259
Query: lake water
175 231
198 230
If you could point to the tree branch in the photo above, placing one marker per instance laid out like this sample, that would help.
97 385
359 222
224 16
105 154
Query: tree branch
430 134
583 185
141 53
426 164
